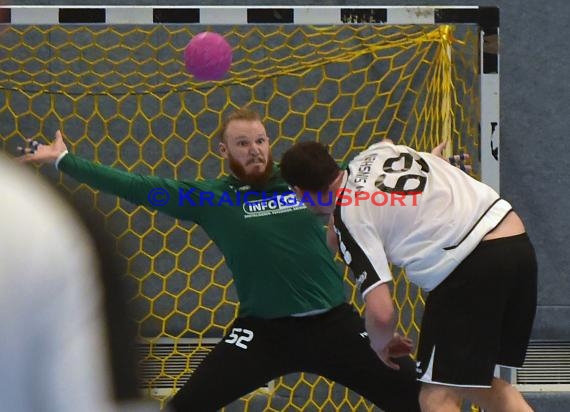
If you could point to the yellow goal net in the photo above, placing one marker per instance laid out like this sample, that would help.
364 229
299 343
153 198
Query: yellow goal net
121 97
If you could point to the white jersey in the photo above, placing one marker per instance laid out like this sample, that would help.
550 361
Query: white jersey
53 344
413 210
54 352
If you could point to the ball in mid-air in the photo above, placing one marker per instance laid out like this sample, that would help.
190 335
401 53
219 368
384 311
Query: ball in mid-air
208 56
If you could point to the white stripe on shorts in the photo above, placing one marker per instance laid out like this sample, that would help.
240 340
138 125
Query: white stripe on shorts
427 377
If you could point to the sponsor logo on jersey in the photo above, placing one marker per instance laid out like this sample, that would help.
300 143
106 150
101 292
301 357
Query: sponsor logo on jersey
281 203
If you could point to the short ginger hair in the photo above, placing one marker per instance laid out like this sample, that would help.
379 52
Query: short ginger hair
243 113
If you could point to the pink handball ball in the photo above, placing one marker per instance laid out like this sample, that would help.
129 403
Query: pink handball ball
208 56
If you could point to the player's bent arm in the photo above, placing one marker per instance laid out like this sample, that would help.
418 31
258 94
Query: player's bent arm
458 160
379 316
363 251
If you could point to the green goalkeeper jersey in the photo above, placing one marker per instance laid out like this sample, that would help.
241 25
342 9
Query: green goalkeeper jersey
274 246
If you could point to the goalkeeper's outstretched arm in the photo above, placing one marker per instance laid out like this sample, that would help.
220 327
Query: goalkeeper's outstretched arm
134 187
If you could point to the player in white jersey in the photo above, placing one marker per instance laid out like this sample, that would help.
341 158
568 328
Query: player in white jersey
456 238
62 346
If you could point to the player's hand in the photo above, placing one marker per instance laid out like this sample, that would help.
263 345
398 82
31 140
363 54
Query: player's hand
42 153
400 346
397 347
461 160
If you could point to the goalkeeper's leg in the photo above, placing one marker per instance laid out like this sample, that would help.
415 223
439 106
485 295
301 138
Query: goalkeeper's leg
243 361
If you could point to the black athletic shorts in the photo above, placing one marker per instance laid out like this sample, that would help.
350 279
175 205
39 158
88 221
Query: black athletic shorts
480 316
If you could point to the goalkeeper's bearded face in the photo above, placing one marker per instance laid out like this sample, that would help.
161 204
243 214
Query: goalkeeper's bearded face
246 147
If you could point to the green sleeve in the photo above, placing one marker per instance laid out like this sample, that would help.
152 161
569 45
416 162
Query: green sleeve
180 199
343 165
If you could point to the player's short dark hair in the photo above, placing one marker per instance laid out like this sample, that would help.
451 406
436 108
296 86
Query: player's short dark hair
309 166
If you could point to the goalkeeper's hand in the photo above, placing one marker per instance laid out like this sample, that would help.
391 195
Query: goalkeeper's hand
460 160
42 153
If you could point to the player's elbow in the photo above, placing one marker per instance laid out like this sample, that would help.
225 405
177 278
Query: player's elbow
379 307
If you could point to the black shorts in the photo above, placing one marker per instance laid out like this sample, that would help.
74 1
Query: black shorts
333 344
480 316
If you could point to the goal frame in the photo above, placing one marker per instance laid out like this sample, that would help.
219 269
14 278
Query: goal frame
487 19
